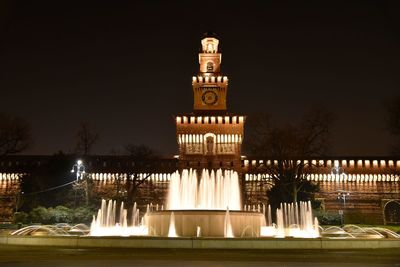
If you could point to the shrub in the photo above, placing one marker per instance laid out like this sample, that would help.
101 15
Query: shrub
40 215
83 215
327 218
60 214
20 217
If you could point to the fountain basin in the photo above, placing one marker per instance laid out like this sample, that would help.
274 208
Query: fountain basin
205 223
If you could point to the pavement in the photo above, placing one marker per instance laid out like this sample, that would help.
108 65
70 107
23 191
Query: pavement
111 257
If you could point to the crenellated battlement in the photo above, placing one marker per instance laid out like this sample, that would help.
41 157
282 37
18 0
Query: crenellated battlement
346 164
210 79
210 120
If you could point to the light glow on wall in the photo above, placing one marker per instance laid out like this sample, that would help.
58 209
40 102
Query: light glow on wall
111 177
344 163
10 176
323 177
383 164
359 163
220 138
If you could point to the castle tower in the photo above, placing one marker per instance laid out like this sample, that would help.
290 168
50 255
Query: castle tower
210 137
210 87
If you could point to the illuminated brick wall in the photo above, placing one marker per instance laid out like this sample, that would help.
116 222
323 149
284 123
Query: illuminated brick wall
371 182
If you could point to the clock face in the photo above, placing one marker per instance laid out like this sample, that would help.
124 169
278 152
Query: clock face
209 98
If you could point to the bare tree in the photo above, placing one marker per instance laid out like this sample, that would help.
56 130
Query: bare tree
287 152
86 139
144 158
127 186
393 122
15 134
140 152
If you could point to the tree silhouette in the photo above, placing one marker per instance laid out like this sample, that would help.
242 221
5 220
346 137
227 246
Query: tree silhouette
86 139
144 158
127 187
15 134
48 184
287 152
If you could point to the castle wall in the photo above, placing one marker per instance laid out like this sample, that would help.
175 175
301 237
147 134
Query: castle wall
365 202
371 182
9 195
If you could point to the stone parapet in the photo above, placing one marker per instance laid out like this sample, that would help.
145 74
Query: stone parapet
200 243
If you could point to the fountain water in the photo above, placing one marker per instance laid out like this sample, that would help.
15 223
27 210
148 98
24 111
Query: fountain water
228 226
210 205
61 229
294 220
215 190
105 224
172 230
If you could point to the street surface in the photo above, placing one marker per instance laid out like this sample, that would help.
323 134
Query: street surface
60 257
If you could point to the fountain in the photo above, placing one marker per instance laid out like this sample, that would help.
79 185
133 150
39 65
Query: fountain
172 230
293 220
215 191
209 206
63 229
105 224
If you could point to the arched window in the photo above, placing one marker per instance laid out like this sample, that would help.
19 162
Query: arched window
392 212
210 67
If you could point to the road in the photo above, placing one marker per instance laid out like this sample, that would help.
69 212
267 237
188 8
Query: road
60 257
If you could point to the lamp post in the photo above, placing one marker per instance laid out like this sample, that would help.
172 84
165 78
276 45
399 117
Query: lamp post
338 172
80 181
79 168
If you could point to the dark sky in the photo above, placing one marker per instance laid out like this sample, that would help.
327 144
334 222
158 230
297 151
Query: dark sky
125 67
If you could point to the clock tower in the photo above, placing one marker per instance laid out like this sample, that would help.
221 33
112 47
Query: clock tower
210 137
209 86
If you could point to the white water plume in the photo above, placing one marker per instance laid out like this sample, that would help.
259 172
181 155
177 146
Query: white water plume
212 191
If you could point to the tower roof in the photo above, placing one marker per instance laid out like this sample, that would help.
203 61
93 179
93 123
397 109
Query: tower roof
209 34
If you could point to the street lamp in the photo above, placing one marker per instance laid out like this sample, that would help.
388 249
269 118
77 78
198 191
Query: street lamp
79 168
339 174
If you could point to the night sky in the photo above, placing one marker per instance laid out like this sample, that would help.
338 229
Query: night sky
125 67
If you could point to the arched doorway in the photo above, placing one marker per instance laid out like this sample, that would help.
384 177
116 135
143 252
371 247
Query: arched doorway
209 143
392 212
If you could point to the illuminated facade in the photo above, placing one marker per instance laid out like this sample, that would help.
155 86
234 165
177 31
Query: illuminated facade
372 182
210 137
